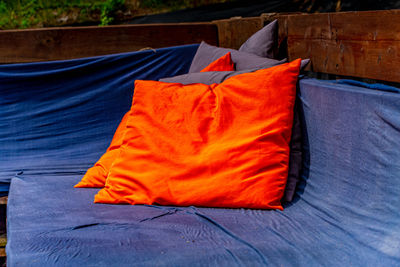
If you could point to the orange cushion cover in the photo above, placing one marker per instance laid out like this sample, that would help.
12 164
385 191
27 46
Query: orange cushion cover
223 63
96 175
223 145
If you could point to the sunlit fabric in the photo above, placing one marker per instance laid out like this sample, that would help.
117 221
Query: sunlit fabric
223 63
346 212
96 176
59 117
221 145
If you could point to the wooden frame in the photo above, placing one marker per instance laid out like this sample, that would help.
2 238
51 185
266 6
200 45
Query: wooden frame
356 44
17 46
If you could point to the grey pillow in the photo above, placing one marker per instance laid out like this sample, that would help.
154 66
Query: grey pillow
207 53
295 156
208 77
263 42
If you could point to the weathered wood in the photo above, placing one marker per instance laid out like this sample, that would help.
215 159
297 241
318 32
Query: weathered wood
3 243
3 223
233 32
3 252
358 44
362 26
74 42
282 36
374 60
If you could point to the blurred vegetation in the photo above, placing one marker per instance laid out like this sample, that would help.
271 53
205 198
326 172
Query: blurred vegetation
19 14
43 13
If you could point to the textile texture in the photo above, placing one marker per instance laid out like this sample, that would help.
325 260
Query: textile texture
96 176
220 145
223 63
243 60
263 43
345 212
295 160
61 116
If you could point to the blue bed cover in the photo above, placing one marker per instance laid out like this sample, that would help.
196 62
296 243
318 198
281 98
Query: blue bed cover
61 115
345 213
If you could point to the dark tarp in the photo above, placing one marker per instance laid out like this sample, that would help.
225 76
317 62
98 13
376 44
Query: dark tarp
346 211
60 116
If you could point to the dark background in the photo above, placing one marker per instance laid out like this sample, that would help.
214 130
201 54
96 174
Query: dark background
252 8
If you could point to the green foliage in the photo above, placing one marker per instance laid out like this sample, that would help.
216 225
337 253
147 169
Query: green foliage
108 10
3 7
33 13
16 14
3 10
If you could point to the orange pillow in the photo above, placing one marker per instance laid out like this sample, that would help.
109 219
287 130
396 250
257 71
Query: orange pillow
223 63
223 145
96 176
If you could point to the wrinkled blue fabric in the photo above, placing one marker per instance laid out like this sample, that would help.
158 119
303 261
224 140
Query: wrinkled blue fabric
345 213
376 86
60 116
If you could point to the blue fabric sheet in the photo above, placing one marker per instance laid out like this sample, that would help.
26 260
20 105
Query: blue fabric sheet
60 116
345 213
376 86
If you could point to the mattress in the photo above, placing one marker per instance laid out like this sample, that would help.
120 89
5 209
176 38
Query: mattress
345 213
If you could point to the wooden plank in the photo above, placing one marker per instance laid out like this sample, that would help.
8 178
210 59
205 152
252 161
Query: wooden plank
282 36
3 241
373 60
233 32
358 44
74 42
362 26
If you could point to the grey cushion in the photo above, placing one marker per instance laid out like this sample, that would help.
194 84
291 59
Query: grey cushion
304 63
208 77
263 42
295 156
243 61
